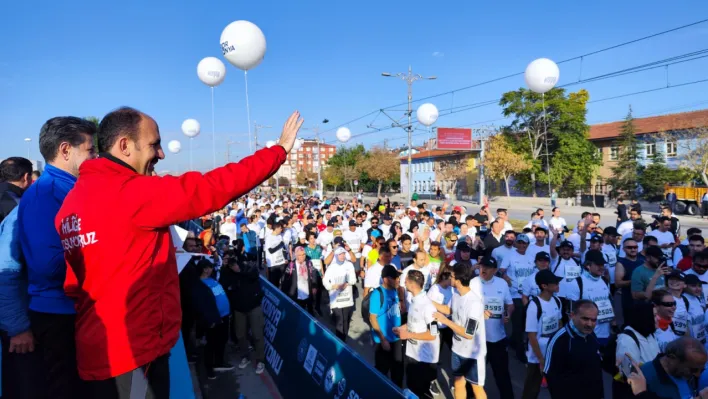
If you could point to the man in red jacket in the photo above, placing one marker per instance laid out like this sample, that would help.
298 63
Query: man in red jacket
114 227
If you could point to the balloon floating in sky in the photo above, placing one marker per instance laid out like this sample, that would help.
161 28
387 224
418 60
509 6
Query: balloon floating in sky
541 75
174 146
190 128
298 144
270 143
427 114
243 44
344 134
211 71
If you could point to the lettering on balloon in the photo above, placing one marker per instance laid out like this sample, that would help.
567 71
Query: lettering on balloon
214 74
226 48
551 80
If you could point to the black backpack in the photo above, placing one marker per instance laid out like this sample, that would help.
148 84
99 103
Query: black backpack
539 311
609 359
367 301
685 251
577 262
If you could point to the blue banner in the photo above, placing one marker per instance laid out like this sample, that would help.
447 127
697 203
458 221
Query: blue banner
306 360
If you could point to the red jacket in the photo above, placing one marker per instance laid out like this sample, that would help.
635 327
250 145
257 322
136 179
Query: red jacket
114 227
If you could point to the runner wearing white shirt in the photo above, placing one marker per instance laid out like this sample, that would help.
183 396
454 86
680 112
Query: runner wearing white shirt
469 347
557 222
610 251
517 267
564 265
529 287
338 280
699 268
422 336
498 307
354 237
372 280
675 285
539 245
543 319
441 293
325 237
276 254
420 263
507 248
696 311
665 238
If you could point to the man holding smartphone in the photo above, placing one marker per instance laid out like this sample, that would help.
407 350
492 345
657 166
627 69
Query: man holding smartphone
650 276
421 332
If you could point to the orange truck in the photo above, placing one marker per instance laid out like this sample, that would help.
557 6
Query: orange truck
688 199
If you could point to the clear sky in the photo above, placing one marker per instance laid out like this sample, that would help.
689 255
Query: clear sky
324 59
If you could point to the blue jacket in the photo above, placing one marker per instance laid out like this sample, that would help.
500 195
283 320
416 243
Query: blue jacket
659 382
14 317
42 248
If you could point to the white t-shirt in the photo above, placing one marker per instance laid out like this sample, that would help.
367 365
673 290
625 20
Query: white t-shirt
276 258
518 268
610 252
339 274
354 239
647 351
703 277
544 327
529 286
434 270
569 269
665 238
680 320
372 279
534 249
558 223
426 274
598 292
325 238
420 315
625 227
500 252
696 318
440 295
468 312
663 337
496 297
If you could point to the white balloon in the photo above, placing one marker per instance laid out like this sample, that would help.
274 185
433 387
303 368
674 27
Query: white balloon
541 75
344 134
270 143
427 114
298 144
174 146
190 128
243 44
211 71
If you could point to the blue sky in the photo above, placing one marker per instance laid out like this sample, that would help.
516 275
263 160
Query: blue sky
325 58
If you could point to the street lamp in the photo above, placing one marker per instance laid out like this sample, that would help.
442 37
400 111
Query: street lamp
409 78
28 140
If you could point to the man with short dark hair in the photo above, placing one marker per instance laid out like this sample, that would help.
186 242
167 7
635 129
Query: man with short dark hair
676 372
15 177
650 276
128 310
384 316
65 143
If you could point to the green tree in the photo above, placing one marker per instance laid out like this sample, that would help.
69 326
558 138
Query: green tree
501 161
346 160
625 173
332 177
654 176
96 122
379 165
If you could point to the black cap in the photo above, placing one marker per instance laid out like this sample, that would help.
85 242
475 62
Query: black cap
463 246
352 223
654 252
566 244
692 279
387 217
309 216
676 275
610 231
330 223
595 257
595 238
543 255
390 271
547 277
488 261
338 240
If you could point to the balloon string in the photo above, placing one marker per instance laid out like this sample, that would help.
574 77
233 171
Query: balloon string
191 165
248 111
213 130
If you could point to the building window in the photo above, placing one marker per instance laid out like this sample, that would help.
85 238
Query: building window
671 149
614 153
651 149
301 156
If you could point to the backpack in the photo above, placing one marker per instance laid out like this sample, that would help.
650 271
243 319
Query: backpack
539 311
609 358
365 314
685 251
559 262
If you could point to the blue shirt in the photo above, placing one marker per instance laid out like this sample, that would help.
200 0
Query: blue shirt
682 385
396 261
388 315
222 302
41 246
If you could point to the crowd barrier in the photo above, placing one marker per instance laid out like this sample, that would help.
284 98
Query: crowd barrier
306 360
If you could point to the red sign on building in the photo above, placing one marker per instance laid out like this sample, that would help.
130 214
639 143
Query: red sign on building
456 139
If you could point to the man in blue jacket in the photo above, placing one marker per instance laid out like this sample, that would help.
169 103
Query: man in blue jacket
64 142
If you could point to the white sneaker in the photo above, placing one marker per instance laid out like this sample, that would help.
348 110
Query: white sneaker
244 363
260 368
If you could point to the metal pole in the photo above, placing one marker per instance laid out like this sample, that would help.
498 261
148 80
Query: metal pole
481 174
319 160
545 130
410 134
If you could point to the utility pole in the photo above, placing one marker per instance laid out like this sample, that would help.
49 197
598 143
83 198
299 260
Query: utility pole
229 143
256 129
409 78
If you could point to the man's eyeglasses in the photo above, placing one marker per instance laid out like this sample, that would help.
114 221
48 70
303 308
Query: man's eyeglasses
668 304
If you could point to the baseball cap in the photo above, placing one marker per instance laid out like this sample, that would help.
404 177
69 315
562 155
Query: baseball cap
610 231
595 238
338 240
543 255
390 271
547 277
566 244
522 238
352 223
654 252
595 257
676 275
386 217
330 223
463 246
301 234
489 262
692 279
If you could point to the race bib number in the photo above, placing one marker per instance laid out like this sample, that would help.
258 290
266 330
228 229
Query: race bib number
345 295
572 272
681 324
495 306
549 325
317 264
278 257
698 328
605 311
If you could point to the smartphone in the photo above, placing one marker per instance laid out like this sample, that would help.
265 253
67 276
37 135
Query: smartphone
471 327
434 328
626 367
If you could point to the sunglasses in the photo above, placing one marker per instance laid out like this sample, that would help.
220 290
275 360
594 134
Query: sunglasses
668 304
394 246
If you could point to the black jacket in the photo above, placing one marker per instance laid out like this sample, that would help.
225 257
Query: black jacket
244 288
10 196
573 366
490 243
288 283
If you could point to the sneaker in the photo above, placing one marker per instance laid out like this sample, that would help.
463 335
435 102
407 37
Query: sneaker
224 367
260 368
244 363
434 390
250 348
211 375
